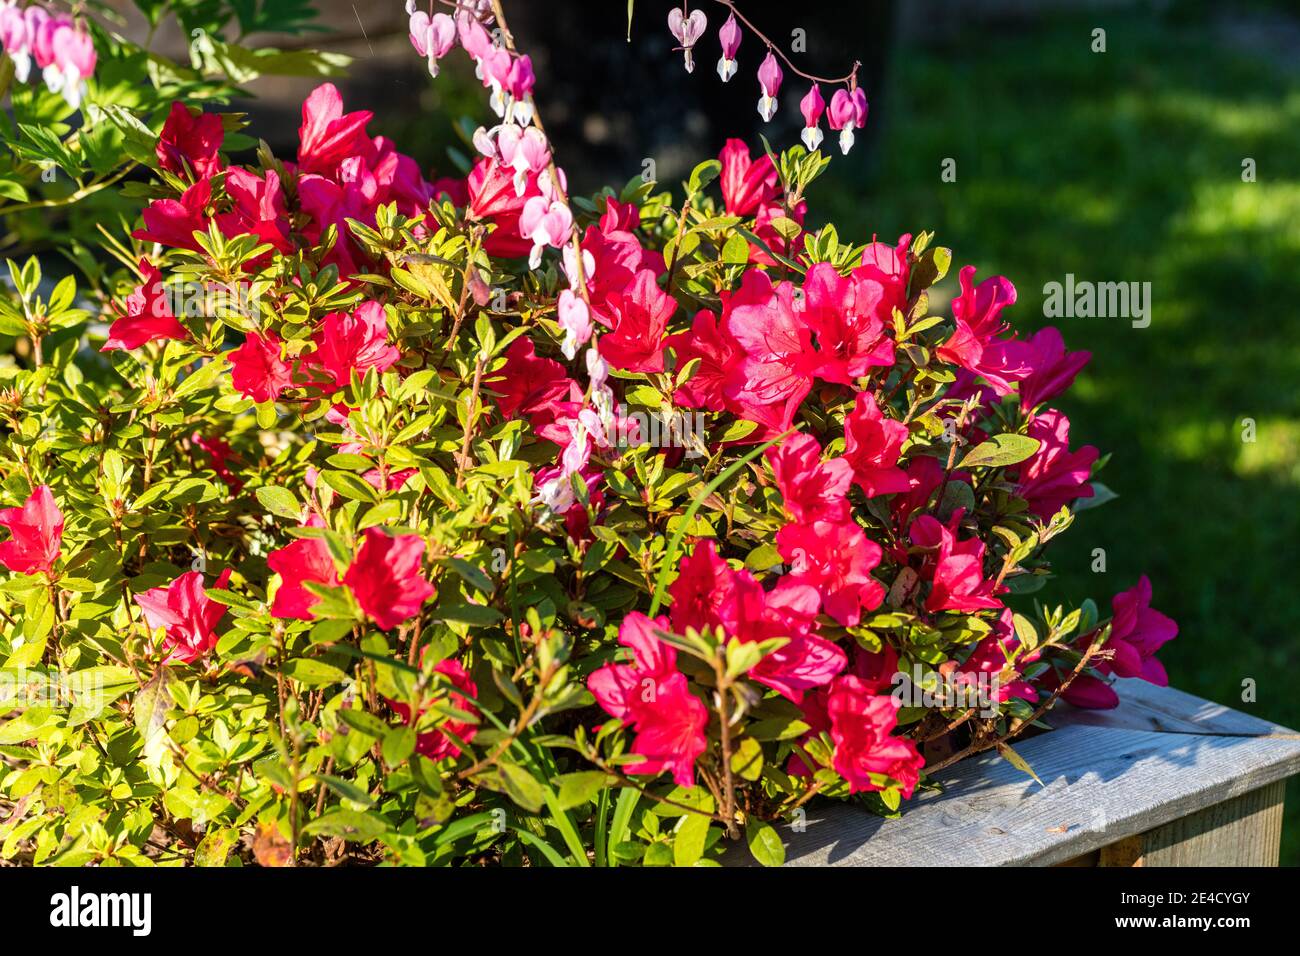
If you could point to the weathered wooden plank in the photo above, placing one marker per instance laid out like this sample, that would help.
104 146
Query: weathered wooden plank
1103 780
1242 832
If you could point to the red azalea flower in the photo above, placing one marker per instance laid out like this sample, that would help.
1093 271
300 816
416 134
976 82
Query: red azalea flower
813 490
187 615
1054 368
747 184
836 559
258 208
190 139
640 314
256 369
220 452
1137 632
35 534
147 317
976 344
845 314
352 341
303 560
385 577
327 135
435 744
776 373
956 568
652 697
864 751
872 444
1055 476
173 222
718 353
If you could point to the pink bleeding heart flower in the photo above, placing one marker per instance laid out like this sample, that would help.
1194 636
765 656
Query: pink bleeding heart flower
304 560
847 110
575 319
147 316
349 342
256 369
385 577
769 80
473 37
546 223
812 106
432 37
525 151
35 534
729 36
687 30
186 614
16 39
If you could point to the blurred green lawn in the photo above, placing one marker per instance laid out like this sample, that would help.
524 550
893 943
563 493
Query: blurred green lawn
1127 166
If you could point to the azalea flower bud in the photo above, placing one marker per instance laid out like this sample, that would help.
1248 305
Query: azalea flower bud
769 78
812 106
575 319
729 36
687 30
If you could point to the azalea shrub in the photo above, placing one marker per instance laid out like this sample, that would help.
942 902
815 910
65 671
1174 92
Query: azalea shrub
358 514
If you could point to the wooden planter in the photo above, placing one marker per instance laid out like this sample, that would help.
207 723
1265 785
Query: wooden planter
1166 779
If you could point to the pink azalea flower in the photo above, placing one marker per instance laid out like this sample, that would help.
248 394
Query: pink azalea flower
780 360
641 315
864 750
385 577
956 569
35 534
613 257
1055 476
652 697
327 135
845 314
257 209
836 560
187 615
436 744
729 37
190 142
992 656
529 385
872 444
924 476
350 342
813 490
303 560
1137 632
256 369
147 317
888 265
1054 368
976 345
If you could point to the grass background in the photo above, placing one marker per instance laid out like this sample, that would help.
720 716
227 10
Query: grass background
1127 166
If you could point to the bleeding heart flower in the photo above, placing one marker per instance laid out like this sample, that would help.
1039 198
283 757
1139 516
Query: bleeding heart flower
575 319
687 30
729 36
769 79
545 223
812 106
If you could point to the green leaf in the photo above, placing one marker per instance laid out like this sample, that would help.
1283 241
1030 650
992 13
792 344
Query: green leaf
521 786
578 788
1000 451
312 672
764 843
690 838
281 502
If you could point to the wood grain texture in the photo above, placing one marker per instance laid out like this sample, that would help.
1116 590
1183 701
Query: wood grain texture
1161 756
